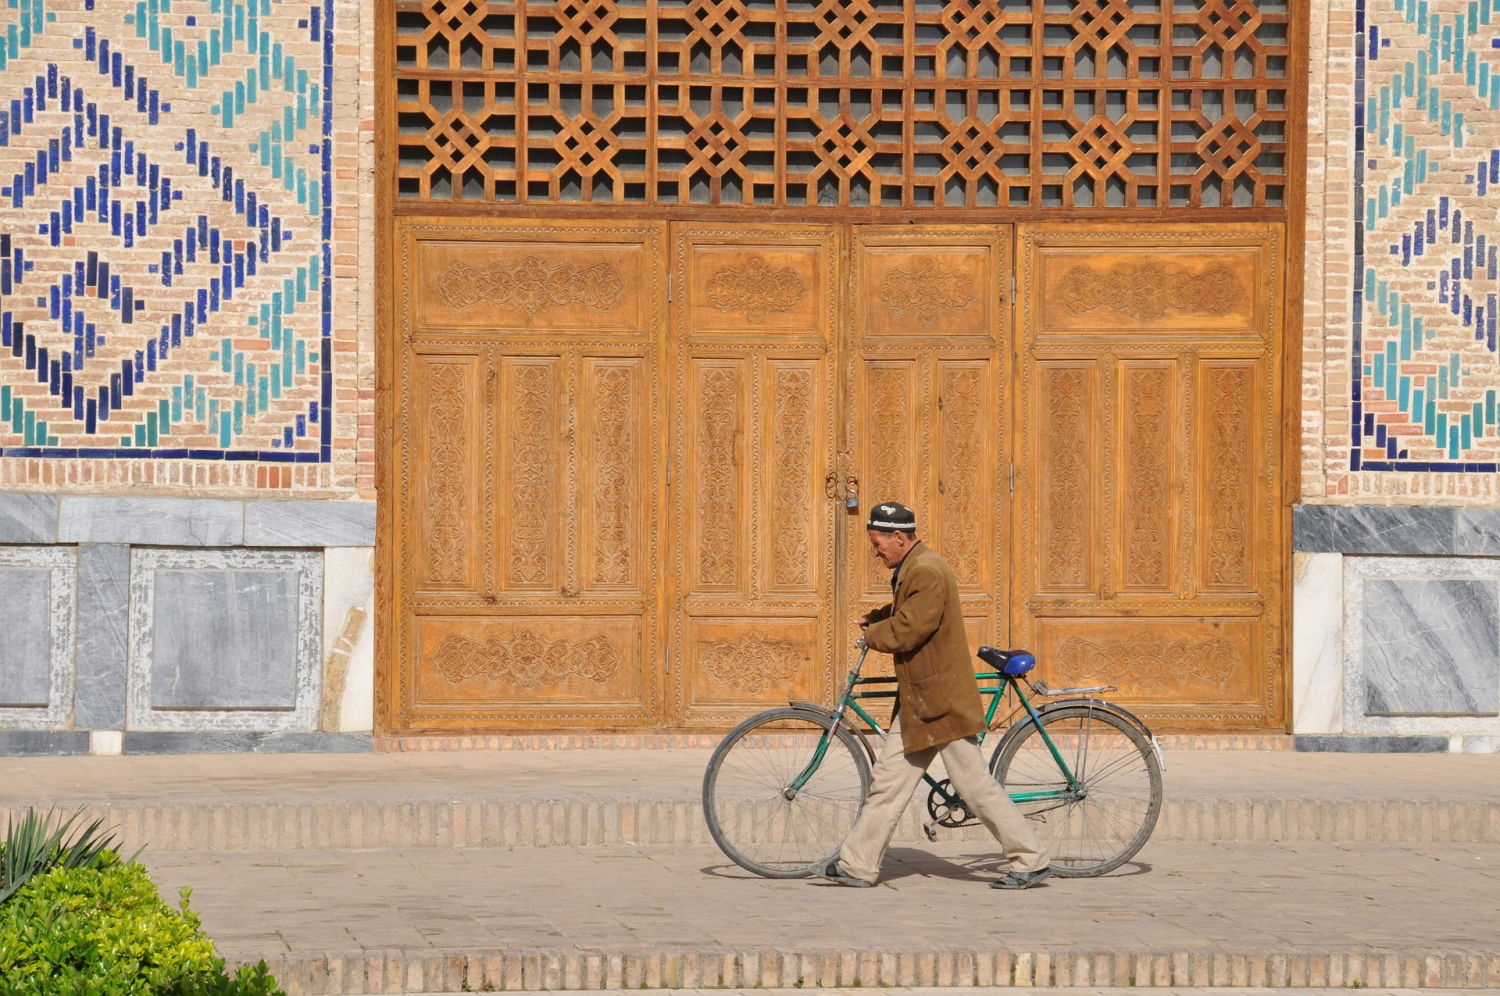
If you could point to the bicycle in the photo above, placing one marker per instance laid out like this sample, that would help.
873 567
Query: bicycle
784 787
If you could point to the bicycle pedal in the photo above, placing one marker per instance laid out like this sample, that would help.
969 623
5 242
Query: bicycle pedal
931 831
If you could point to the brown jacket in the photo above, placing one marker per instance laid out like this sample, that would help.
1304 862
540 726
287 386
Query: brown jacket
923 628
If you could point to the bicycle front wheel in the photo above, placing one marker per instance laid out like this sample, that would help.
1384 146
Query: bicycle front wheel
754 814
1100 825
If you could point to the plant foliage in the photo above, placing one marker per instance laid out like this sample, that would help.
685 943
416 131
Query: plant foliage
103 929
38 842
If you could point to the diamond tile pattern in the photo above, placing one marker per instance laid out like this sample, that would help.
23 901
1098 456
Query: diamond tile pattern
165 263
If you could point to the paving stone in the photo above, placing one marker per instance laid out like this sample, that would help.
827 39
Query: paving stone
1315 905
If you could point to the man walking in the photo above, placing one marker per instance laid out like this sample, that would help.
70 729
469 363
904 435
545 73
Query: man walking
938 711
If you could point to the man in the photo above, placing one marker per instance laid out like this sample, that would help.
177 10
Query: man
938 711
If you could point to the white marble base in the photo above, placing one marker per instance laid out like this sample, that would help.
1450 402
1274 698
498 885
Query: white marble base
106 743
1317 643
349 636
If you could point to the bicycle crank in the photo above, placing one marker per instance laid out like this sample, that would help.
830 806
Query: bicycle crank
946 809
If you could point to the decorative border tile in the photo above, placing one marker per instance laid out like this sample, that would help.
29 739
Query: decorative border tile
302 717
63 564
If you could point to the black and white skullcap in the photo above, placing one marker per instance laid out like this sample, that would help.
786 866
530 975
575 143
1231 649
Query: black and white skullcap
892 517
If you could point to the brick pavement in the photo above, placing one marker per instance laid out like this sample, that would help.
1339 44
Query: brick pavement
1309 914
489 798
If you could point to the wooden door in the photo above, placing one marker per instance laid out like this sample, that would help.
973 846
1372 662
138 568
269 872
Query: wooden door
528 470
1151 547
755 316
928 409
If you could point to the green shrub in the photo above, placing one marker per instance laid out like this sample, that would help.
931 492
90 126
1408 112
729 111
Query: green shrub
36 843
103 929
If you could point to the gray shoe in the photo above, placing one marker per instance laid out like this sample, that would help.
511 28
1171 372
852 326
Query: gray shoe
833 873
1021 880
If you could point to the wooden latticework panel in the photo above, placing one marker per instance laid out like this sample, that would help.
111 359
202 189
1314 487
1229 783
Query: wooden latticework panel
844 103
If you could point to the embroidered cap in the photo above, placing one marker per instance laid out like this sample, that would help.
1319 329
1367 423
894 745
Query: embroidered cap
892 517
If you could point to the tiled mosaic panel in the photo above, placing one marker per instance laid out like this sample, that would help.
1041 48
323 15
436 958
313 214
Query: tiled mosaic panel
165 261
1428 187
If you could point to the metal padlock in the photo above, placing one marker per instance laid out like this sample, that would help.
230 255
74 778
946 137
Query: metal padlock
851 494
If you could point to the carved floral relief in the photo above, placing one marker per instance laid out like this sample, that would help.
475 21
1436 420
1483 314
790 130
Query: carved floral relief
1229 480
1065 521
754 663
1144 657
446 525
1148 292
532 286
792 449
756 290
531 474
613 455
526 659
959 483
719 425
926 290
1148 441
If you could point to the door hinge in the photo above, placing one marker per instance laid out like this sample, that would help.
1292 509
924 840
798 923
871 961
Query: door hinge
669 472
1012 287
669 287
669 661
1013 477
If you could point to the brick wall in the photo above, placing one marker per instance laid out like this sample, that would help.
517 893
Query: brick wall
184 299
1400 361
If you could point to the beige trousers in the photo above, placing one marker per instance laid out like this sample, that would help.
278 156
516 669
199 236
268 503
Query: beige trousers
895 778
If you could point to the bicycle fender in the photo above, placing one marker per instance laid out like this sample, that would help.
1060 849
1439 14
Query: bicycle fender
1119 710
827 713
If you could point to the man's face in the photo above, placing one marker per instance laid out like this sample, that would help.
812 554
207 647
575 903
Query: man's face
889 547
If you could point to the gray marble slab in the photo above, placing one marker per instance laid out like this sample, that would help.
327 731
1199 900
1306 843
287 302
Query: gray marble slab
310 523
40 743
1371 745
1315 528
38 592
1430 647
229 742
1397 529
103 629
225 639
28 518
26 677
1478 532
151 521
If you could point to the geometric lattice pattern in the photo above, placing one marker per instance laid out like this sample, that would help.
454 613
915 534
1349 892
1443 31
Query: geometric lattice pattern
1427 229
165 259
838 103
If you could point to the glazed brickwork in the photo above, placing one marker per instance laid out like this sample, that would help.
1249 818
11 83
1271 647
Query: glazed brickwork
179 291
1400 355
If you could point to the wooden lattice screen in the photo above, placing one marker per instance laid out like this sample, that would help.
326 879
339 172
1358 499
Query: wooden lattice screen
844 103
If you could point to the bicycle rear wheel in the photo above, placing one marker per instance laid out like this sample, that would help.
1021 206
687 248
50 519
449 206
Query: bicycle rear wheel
1102 825
754 817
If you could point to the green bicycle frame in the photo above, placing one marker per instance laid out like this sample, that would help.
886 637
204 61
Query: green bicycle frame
991 683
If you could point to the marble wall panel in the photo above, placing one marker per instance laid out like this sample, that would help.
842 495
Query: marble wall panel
225 640
1422 645
153 521
103 610
36 656
28 518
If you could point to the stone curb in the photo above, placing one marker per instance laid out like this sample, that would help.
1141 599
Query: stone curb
578 823
396 971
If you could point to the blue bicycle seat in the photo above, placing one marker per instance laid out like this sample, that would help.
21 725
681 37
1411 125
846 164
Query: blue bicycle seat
1011 662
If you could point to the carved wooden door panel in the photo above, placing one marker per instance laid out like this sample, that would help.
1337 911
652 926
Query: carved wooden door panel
1149 510
528 472
928 412
754 323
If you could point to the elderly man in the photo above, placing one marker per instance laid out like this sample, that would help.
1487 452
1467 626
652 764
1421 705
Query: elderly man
938 711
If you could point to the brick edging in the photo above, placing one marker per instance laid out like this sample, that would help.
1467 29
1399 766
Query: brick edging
391 971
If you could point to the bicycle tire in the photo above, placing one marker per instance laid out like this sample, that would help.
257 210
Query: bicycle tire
749 816
1121 778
